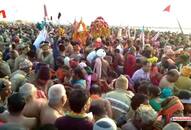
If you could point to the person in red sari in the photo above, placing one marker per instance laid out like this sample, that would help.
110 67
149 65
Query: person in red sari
130 62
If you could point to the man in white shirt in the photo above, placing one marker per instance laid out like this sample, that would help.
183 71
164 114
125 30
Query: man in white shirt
143 73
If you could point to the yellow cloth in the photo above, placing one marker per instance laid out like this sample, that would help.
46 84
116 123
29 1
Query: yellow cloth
61 31
152 60
186 71
183 82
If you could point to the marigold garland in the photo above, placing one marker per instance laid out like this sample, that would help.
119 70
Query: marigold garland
99 28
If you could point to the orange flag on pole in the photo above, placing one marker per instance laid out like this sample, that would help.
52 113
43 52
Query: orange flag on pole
167 9
2 12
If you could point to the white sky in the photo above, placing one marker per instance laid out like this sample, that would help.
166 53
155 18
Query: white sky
115 12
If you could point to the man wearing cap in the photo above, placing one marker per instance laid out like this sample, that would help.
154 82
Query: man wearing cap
184 81
105 124
24 50
101 66
4 67
120 98
19 77
183 60
45 55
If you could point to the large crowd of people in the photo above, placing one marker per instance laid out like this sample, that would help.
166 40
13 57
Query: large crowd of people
120 82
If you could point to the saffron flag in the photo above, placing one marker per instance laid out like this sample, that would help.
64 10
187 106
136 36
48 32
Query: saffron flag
2 12
167 9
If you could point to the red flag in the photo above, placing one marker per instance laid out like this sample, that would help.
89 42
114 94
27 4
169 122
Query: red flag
167 9
45 12
3 13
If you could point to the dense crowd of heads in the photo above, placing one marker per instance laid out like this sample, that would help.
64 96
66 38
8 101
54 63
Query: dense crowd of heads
119 82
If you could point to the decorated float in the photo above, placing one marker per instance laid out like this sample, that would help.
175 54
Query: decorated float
80 32
99 28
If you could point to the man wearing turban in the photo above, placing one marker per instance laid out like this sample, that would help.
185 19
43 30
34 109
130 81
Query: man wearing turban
184 81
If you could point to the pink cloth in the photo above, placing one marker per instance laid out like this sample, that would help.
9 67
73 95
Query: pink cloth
2 123
98 67
41 94
88 81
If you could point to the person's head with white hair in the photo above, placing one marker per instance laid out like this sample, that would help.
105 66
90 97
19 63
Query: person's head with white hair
28 90
57 95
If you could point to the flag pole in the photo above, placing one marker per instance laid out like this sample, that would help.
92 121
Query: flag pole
143 37
45 13
179 26
167 9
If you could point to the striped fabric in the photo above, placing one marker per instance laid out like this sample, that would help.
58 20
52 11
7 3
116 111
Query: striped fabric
118 105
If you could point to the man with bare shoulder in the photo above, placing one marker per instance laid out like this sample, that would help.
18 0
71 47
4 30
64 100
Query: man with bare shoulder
33 104
16 104
54 109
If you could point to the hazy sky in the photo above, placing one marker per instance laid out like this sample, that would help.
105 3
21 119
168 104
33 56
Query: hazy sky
115 12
